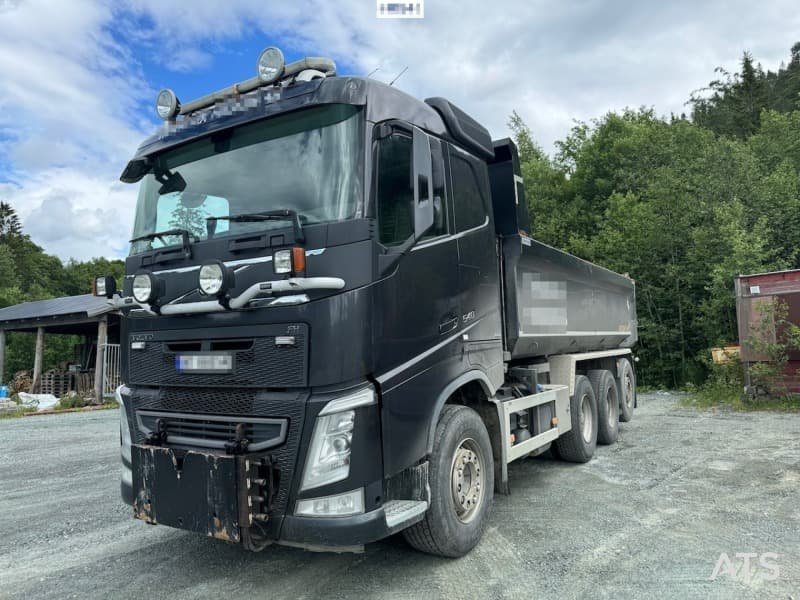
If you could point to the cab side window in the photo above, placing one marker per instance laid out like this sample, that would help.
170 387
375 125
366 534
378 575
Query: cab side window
395 189
468 195
440 226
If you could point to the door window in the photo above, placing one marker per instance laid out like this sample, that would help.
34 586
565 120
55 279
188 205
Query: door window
395 190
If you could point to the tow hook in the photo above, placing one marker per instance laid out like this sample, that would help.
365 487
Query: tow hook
158 437
239 444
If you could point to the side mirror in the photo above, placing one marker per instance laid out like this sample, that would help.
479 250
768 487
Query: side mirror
423 184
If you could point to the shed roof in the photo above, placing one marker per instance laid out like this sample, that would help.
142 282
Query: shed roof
54 313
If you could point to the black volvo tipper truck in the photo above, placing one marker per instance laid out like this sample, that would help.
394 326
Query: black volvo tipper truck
336 325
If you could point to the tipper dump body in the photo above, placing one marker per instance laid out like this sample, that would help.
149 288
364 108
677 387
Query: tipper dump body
553 302
556 303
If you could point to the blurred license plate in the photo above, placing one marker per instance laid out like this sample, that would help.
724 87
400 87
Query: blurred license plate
208 363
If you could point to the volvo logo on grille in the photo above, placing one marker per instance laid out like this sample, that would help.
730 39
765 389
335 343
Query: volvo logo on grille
204 363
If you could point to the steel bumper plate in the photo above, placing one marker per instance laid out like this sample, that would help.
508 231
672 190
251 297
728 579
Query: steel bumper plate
197 492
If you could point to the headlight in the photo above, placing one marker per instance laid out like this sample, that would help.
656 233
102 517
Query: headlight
167 104
270 65
144 288
215 278
328 457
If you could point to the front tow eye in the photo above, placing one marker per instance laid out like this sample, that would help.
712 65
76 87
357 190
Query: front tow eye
239 444
159 436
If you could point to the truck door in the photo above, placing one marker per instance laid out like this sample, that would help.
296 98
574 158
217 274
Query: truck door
416 302
478 266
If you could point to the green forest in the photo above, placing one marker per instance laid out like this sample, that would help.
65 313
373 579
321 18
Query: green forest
681 204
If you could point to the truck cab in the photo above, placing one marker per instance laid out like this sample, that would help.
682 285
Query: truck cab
314 284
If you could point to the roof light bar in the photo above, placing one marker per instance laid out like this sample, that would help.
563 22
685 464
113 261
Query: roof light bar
270 69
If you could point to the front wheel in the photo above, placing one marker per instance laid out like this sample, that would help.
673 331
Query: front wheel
461 482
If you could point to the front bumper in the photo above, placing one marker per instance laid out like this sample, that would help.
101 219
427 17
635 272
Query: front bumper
161 482
164 498
355 530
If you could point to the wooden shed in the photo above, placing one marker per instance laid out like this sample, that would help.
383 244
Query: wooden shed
87 316
753 291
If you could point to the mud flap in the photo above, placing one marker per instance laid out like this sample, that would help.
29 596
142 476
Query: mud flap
198 492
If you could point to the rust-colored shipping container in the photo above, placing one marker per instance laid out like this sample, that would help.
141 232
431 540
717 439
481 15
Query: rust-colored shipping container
753 291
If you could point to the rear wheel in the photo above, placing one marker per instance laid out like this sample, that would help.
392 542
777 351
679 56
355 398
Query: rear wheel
579 443
605 389
627 391
461 482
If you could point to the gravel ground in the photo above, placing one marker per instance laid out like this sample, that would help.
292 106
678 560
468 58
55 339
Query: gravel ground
649 516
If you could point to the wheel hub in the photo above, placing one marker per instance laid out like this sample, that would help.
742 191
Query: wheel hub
628 391
466 480
586 418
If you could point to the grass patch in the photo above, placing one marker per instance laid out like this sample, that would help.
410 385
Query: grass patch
19 412
706 399
108 404
724 389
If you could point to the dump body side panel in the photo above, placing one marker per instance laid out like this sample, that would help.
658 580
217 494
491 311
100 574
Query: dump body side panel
553 302
557 303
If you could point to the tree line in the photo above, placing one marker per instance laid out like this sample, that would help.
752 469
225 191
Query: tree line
682 204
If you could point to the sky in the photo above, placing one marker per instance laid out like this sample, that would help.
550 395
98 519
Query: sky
79 78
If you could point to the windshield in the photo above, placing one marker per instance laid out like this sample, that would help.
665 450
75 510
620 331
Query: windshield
306 161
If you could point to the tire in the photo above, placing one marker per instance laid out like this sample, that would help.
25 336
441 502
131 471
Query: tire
452 528
579 443
607 394
626 384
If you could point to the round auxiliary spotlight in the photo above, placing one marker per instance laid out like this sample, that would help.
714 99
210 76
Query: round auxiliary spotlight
145 288
167 104
270 65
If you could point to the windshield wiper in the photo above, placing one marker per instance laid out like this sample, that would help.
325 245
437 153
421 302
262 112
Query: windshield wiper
282 214
184 233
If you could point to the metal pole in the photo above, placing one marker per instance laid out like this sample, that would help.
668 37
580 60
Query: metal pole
102 338
2 353
37 361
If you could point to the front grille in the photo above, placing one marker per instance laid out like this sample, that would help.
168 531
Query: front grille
210 401
207 431
200 403
257 362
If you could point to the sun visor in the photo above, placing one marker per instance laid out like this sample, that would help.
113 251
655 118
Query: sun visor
464 129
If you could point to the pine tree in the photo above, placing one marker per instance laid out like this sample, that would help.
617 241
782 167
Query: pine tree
10 225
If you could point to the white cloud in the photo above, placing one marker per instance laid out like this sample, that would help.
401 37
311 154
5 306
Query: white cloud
73 214
75 102
551 61
68 90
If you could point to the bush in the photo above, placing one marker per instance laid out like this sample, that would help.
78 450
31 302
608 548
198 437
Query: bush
773 336
725 385
71 400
